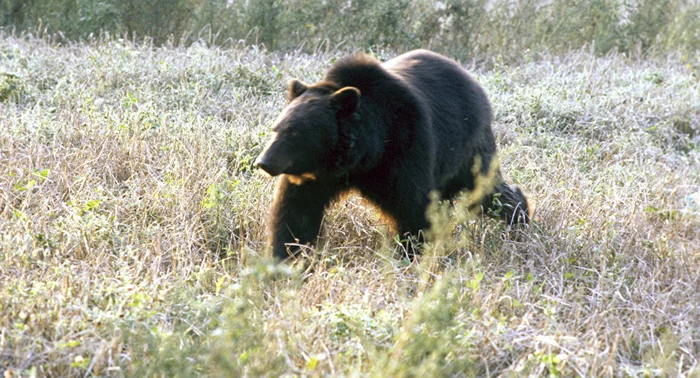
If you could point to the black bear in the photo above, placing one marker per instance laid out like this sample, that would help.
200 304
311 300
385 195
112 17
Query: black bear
395 132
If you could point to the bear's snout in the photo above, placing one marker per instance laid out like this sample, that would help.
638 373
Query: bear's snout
269 167
275 158
270 164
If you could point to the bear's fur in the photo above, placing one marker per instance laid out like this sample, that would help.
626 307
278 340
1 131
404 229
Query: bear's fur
394 131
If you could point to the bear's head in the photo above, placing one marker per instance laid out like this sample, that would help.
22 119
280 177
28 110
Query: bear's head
308 132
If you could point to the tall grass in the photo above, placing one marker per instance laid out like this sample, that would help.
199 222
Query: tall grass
132 226
459 28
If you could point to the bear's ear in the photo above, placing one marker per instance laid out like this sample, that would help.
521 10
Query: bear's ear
345 100
296 88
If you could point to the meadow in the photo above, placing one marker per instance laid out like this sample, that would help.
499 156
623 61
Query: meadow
132 224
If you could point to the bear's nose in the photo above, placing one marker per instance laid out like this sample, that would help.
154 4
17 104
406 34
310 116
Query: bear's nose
268 167
262 165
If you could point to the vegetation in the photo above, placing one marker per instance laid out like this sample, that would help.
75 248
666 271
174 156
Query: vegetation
459 28
132 223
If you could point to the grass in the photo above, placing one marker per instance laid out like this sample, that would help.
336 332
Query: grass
132 226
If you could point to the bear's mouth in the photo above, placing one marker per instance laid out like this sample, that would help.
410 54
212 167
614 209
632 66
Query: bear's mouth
300 179
294 178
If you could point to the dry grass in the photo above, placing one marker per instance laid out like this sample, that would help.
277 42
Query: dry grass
132 227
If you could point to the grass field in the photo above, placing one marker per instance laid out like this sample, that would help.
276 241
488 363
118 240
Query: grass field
132 226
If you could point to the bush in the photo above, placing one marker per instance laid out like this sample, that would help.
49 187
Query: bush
459 28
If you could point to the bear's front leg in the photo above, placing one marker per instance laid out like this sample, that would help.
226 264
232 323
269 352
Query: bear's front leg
296 214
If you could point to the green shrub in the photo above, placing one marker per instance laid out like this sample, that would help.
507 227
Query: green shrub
459 28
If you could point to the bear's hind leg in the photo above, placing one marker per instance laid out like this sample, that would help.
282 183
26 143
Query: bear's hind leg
502 201
508 203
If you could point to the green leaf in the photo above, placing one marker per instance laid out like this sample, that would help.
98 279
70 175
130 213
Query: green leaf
219 284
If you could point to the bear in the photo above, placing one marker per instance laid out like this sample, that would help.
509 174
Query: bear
395 132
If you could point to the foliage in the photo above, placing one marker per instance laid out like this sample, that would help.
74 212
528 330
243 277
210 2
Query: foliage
460 28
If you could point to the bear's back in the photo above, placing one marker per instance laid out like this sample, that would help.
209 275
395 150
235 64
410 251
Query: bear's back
459 111
450 92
